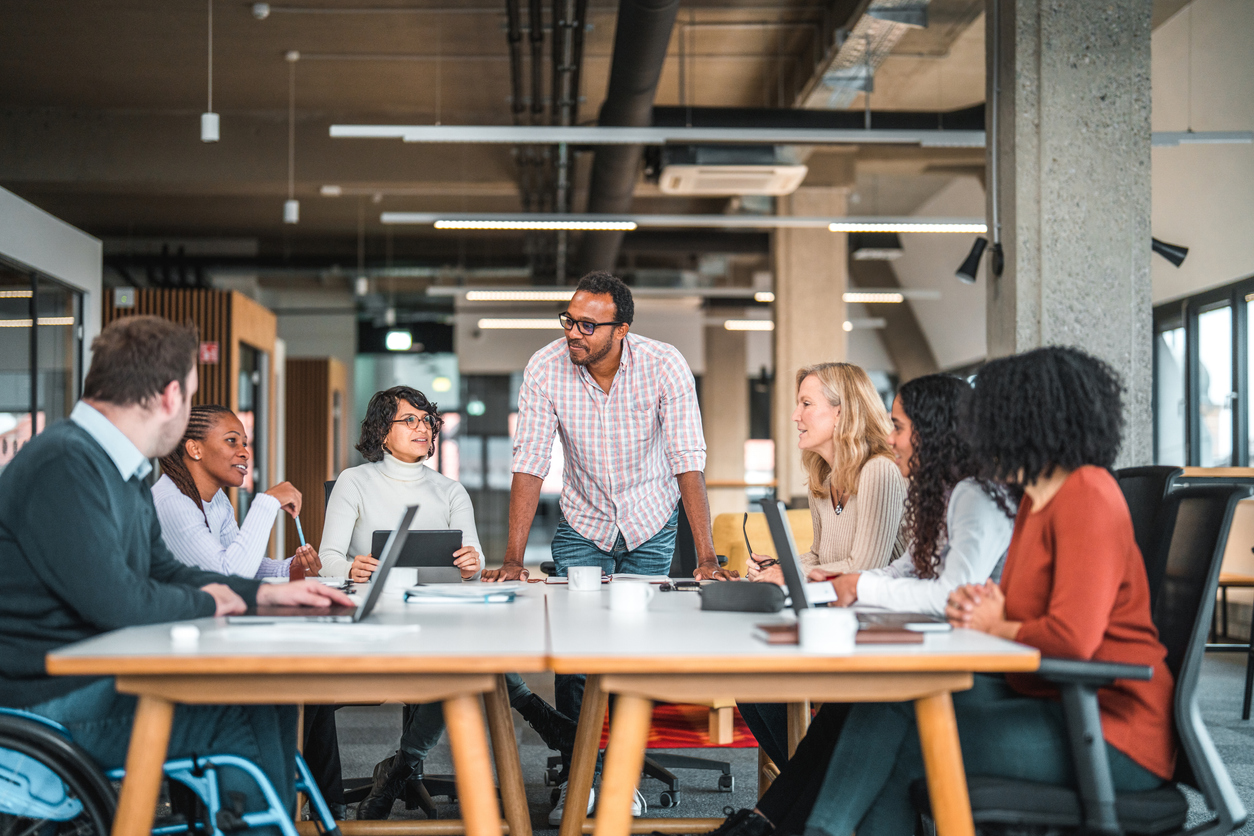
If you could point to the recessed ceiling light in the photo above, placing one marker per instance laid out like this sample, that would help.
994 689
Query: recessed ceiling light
504 224
749 325
519 295
398 340
516 324
874 298
764 296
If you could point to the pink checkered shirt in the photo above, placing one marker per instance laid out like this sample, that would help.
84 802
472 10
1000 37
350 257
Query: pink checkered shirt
623 450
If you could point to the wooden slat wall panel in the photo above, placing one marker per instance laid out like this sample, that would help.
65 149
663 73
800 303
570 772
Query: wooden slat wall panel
308 445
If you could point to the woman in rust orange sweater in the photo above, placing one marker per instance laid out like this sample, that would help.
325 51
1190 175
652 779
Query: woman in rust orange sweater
1074 586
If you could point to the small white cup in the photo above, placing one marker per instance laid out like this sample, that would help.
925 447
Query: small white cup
827 630
584 578
630 596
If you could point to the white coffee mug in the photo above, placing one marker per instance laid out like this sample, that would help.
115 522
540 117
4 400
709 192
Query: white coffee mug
630 596
827 630
584 578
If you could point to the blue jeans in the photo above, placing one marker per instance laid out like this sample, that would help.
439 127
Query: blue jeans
424 722
652 557
100 720
1002 732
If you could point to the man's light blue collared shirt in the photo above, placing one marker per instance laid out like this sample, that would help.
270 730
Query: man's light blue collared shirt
126 456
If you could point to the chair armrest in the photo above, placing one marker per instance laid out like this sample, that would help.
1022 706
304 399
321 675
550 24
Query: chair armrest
1061 671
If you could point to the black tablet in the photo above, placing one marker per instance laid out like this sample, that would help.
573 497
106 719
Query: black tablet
422 548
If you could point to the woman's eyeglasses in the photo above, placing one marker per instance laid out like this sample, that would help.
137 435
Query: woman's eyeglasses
585 328
744 529
412 421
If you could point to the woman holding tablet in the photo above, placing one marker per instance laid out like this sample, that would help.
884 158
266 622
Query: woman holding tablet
398 435
959 527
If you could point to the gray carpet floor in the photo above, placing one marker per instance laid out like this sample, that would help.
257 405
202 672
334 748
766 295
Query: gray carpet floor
368 734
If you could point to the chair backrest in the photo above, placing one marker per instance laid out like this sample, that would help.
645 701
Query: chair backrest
327 487
1198 519
1145 490
684 563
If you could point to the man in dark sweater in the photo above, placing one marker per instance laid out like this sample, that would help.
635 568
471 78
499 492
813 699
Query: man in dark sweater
81 554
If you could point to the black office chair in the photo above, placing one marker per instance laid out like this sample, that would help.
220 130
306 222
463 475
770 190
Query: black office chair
1196 522
356 789
1145 490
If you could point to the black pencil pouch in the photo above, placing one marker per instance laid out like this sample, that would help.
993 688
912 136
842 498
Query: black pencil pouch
742 596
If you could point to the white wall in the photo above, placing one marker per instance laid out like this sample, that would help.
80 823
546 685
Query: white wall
953 324
1203 195
31 236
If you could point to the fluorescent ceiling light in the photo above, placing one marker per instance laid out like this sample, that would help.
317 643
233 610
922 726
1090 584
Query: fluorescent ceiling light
43 320
501 223
875 298
607 135
638 292
1170 139
398 340
749 325
869 223
519 295
907 226
764 296
546 324
14 294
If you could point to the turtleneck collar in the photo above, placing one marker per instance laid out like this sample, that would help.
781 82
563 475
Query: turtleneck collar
401 471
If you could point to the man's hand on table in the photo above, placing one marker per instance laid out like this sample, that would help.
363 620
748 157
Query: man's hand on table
306 593
226 600
709 570
508 572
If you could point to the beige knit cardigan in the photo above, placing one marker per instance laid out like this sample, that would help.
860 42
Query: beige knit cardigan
867 534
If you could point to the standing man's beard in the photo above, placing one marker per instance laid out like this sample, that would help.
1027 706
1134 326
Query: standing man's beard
588 358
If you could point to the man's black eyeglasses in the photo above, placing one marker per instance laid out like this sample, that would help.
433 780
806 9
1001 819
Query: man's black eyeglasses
411 421
585 328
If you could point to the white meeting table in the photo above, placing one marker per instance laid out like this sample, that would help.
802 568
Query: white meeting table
459 652
674 652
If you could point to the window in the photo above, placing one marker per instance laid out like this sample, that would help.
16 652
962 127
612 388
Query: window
40 355
1202 385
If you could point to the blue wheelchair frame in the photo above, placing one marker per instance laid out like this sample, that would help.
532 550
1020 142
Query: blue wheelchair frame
30 789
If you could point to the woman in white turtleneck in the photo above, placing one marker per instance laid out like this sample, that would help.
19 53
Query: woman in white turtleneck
397 436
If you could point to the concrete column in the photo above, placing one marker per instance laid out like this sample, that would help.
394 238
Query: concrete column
811 272
725 391
1072 181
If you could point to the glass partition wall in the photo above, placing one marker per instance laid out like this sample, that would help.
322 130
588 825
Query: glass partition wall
41 355
1202 386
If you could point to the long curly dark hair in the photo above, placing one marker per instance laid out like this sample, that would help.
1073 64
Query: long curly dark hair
942 458
382 412
1049 408
201 420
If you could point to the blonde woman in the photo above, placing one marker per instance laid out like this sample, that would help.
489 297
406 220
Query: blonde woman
857 494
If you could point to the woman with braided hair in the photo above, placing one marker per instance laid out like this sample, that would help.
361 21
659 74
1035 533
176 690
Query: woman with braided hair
198 521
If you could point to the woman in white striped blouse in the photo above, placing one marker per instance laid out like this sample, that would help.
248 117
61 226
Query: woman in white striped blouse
198 521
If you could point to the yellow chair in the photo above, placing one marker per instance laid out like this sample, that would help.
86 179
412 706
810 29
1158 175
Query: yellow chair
730 541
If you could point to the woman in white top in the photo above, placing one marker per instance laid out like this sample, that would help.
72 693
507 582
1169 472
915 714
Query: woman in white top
198 521
398 436
959 528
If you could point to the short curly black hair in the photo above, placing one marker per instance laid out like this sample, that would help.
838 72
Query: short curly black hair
382 411
600 282
1049 408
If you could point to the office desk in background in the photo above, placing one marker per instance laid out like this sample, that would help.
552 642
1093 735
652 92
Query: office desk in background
459 652
677 653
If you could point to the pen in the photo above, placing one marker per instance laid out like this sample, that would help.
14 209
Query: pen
299 533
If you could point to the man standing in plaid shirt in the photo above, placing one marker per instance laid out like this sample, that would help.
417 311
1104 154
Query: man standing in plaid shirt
626 409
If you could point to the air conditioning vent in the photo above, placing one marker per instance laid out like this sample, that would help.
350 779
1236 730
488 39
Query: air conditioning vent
731 179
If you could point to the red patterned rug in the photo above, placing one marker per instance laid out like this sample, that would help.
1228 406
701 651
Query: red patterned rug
688 727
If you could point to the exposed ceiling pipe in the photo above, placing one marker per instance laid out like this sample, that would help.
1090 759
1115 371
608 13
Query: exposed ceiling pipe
568 23
966 119
641 37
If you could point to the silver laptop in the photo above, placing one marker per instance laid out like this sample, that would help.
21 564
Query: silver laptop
339 614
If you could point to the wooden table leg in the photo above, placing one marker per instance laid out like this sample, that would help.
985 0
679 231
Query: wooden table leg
145 762
942 758
583 764
624 758
798 724
508 765
476 796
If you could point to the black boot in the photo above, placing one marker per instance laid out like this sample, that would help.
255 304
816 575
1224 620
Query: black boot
743 822
555 728
390 775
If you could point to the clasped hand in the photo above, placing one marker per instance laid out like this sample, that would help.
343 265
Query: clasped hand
980 606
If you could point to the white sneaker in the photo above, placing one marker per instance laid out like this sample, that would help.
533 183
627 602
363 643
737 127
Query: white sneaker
638 805
555 815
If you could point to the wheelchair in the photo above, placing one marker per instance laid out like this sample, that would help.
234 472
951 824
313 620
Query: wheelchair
51 787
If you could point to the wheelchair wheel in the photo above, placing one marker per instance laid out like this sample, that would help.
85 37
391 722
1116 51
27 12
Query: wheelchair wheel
49 786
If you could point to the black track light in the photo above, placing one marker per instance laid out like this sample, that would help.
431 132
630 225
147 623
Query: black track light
971 266
1172 252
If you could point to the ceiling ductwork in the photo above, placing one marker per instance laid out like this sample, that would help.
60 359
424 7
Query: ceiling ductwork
863 49
640 41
